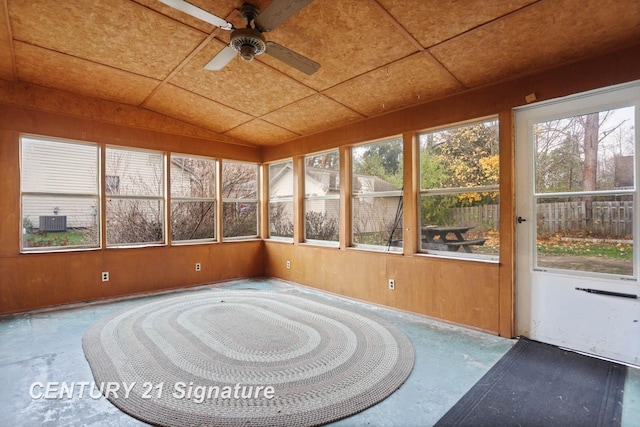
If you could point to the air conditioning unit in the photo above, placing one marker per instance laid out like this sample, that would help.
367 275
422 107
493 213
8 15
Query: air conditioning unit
53 223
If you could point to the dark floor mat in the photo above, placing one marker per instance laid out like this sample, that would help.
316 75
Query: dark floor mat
536 384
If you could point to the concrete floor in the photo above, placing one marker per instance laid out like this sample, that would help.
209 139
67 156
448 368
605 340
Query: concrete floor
46 346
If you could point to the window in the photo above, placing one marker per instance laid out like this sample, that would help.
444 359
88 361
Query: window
322 197
135 213
281 199
239 199
585 191
193 198
459 198
112 184
377 195
60 194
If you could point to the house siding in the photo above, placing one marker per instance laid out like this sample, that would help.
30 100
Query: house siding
59 179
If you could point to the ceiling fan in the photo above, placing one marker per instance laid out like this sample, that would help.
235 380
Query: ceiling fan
249 42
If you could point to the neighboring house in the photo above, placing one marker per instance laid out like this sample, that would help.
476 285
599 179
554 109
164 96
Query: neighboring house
374 213
61 185
320 183
64 201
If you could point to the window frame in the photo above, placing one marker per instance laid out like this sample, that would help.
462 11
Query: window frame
161 198
213 199
446 191
255 200
306 199
97 197
271 200
356 196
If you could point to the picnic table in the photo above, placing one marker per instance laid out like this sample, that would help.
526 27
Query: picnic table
448 238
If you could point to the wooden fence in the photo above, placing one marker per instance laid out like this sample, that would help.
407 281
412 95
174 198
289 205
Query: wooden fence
610 218
485 216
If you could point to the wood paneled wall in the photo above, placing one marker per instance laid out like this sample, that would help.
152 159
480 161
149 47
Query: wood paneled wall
35 280
466 293
477 294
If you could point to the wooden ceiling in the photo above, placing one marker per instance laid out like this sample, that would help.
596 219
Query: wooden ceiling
376 55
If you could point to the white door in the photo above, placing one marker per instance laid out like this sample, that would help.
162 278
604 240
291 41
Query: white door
577 201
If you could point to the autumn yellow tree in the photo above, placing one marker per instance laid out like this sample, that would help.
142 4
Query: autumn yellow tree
463 157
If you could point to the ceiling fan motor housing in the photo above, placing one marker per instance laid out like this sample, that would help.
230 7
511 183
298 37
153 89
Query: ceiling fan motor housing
248 42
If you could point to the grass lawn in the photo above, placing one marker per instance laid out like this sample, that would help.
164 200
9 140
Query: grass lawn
68 238
618 251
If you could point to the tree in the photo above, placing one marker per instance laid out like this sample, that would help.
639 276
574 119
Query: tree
466 156
138 217
192 178
280 220
240 190
591 125
568 155
321 226
329 160
382 159
568 152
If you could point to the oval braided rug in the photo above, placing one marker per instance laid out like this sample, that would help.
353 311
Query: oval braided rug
246 357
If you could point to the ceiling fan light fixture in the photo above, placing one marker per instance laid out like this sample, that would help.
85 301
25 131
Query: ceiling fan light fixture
247 52
248 42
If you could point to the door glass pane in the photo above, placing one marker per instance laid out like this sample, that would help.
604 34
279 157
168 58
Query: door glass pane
593 152
586 233
585 189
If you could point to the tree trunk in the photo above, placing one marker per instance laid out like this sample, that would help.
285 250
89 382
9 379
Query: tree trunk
590 144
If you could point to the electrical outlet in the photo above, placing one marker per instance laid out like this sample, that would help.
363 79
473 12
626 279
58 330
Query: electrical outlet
392 284
288 264
105 276
198 266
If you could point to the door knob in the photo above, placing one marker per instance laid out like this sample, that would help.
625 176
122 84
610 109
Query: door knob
520 220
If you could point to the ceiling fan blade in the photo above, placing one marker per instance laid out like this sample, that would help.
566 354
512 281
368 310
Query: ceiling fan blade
292 58
221 59
196 12
278 12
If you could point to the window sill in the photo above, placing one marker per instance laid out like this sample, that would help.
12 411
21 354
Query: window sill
193 242
394 250
459 257
240 239
58 250
279 240
137 246
322 243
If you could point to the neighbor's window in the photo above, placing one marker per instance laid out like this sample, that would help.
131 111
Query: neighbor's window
135 204
239 199
281 199
193 198
60 194
459 198
322 197
377 195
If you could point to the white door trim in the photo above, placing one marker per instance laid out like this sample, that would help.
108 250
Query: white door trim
548 306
